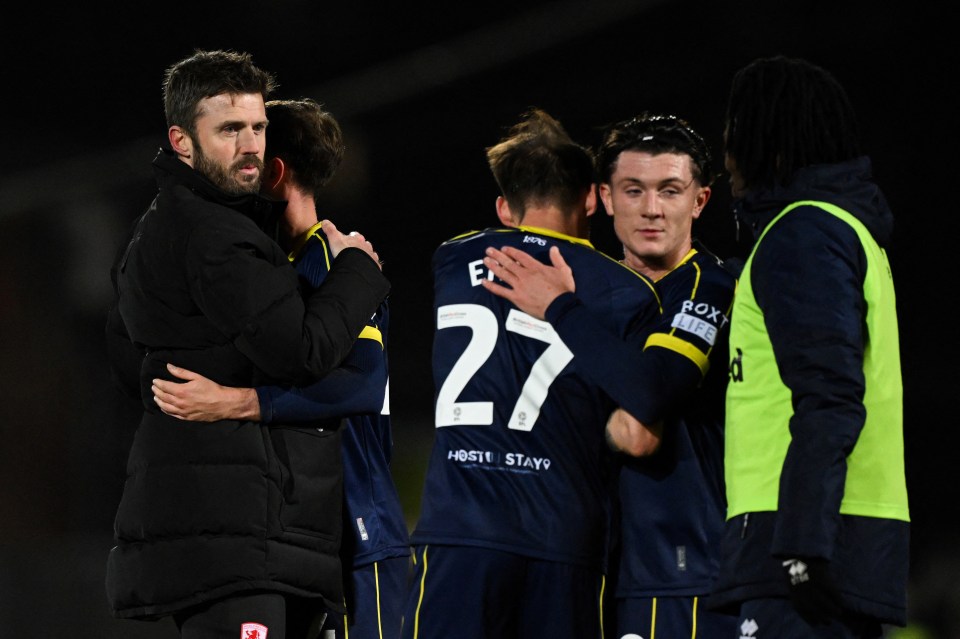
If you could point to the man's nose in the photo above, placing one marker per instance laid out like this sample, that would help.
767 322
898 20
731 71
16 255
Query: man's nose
249 143
650 205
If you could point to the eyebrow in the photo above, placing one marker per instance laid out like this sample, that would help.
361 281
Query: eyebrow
241 123
671 180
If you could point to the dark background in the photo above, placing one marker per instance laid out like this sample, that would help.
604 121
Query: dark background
420 94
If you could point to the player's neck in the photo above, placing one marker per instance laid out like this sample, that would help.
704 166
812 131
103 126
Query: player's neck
553 219
300 214
655 266
651 267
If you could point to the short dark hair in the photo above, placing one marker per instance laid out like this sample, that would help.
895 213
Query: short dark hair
307 138
537 164
655 134
206 74
784 114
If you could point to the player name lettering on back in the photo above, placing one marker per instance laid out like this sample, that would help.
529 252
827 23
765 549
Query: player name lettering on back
476 271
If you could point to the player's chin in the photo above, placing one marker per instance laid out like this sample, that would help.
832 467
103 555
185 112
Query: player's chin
647 247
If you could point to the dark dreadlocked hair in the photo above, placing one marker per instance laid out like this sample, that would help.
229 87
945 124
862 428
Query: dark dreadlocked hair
784 114
654 134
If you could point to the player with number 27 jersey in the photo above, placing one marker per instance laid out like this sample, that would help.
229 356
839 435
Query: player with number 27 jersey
519 445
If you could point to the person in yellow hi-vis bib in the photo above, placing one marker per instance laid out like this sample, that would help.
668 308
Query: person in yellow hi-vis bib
816 542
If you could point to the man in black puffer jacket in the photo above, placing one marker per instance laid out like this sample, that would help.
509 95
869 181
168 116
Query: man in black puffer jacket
228 526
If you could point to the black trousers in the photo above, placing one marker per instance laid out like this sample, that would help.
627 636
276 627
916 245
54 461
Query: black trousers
259 615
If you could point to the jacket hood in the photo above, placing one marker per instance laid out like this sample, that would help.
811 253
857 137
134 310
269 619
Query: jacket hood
169 171
848 185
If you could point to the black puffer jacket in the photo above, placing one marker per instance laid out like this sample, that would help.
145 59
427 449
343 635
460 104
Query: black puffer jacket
212 509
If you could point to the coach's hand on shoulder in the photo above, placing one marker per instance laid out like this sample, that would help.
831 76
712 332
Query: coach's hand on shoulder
338 241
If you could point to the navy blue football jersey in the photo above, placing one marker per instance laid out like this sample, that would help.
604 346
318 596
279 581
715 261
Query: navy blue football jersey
673 504
519 459
373 510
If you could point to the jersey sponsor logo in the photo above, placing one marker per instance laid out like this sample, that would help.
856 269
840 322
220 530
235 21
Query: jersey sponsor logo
712 314
736 367
696 326
474 456
526 461
496 460
700 319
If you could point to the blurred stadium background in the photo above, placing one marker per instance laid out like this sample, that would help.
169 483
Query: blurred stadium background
420 93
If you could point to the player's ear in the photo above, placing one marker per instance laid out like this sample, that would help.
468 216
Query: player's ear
590 202
606 199
506 216
274 173
702 198
181 143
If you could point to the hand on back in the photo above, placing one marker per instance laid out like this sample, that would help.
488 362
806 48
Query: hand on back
199 399
532 285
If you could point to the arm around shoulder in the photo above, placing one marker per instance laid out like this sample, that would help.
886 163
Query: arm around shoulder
628 435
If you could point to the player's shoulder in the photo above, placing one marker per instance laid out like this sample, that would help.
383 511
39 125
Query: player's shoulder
312 246
469 246
700 277
588 262
477 235
591 266
598 275
707 266
533 240
530 237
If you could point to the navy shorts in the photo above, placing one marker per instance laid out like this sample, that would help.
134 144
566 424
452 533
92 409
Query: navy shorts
686 617
477 593
375 596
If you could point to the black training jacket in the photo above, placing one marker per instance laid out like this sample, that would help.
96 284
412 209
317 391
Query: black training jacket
214 509
868 556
